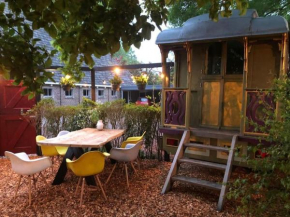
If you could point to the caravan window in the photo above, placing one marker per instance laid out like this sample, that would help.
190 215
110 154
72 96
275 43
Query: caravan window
214 59
235 58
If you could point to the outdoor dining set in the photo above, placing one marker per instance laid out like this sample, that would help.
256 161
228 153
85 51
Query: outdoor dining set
80 154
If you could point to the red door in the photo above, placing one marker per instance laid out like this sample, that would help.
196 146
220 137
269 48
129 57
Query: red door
16 134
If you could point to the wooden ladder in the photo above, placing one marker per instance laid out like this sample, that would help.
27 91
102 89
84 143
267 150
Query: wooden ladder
179 158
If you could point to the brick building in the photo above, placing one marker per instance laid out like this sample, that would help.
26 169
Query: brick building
82 89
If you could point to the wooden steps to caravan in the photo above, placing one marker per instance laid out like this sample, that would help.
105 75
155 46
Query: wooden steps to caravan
203 163
208 147
179 159
198 182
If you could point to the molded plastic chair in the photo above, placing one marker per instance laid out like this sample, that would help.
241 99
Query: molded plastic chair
89 164
46 150
136 137
132 140
22 165
61 150
125 155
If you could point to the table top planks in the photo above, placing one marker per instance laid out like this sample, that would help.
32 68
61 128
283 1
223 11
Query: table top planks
84 138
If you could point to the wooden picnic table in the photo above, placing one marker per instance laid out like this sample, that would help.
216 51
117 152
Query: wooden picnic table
76 141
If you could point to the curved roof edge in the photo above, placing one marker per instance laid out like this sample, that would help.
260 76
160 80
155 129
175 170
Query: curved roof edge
202 28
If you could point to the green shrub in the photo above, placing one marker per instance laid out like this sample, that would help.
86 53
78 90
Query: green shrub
268 192
116 115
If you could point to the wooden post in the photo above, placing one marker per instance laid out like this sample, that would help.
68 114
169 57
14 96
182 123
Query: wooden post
245 76
165 82
166 79
93 84
188 91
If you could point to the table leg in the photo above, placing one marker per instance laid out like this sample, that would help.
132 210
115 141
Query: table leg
71 153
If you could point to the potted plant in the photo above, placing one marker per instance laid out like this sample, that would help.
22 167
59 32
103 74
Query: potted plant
116 82
141 81
67 83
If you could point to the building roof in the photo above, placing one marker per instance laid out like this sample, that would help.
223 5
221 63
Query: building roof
101 76
201 28
148 87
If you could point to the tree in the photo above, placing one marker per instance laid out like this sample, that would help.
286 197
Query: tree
79 29
126 58
182 10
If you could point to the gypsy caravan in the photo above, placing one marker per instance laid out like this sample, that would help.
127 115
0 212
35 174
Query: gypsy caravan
220 69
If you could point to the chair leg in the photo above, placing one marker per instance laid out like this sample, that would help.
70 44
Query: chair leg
52 163
29 180
111 173
133 167
82 191
100 184
17 188
34 181
138 159
79 181
126 170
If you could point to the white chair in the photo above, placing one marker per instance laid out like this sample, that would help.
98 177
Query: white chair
125 155
22 165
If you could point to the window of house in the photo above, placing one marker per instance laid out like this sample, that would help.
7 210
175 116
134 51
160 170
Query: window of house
101 93
47 92
114 93
214 59
86 93
69 93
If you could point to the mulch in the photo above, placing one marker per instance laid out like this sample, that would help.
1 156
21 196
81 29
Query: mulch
143 198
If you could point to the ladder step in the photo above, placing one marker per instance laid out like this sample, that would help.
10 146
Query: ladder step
203 163
208 147
198 182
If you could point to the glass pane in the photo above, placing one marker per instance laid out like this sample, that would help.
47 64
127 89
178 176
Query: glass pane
235 58
210 103
214 59
232 104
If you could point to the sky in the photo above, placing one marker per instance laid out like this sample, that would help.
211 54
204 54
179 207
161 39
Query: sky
149 52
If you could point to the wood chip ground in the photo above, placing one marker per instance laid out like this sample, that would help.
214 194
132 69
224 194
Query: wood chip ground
143 198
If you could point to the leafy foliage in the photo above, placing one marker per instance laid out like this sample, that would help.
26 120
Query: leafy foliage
142 79
79 29
126 57
182 10
143 118
95 116
116 115
67 81
117 80
268 194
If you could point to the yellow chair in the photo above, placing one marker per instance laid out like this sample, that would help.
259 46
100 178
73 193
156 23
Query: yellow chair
61 150
46 150
89 164
132 140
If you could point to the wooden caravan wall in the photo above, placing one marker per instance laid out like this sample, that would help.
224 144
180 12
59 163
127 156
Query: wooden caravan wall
197 66
263 64
181 72
216 98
